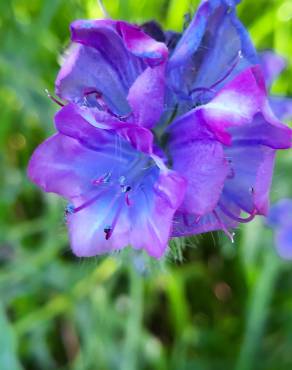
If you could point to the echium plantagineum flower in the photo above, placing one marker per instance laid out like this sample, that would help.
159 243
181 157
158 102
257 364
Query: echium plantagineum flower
161 134
225 126
103 159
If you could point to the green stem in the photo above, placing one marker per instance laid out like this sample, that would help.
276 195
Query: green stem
103 9
133 329
257 311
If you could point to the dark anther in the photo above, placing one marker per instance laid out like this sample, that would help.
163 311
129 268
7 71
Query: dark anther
107 230
69 209
125 188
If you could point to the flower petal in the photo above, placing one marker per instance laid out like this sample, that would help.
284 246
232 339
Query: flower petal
263 129
75 164
280 213
241 110
129 37
186 224
86 228
146 96
156 226
251 176
199 157
71 121
142 45
107 60
235 104
283 241
62 165
214 43
272 65
84 71
282 107
203 165
149 215
88 124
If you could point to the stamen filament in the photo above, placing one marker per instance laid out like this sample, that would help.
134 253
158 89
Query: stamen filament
128 202
109 231
103 105
104 179
201 89
224 228
235 218
89 202
227 74
54 99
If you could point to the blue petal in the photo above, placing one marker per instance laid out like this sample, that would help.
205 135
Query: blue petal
145 223
282 107
87 70
250 177
213 49
272 65
280 213
283 241
106 57
62 165
190 224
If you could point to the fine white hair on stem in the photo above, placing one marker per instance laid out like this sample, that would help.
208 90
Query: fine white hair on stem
103 9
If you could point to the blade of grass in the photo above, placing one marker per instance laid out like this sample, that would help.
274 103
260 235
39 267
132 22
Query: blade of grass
257 311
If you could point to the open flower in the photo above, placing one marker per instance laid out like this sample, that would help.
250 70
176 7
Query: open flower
213 49
226 150
225 136
152 145
118 195
102 158
115 67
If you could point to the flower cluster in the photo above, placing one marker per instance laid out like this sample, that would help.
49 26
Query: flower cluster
160 134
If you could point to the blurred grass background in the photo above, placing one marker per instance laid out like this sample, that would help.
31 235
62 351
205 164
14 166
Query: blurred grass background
210 306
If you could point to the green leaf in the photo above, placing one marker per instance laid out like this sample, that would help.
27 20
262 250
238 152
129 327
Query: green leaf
8 352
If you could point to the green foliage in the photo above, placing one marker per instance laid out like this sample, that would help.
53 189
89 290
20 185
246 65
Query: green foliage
209 305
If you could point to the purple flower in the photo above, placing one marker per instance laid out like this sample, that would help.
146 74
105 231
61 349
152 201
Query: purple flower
226 150
150 146
226 141
119 195
280 219
116 67
102 158
273 65
211 52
